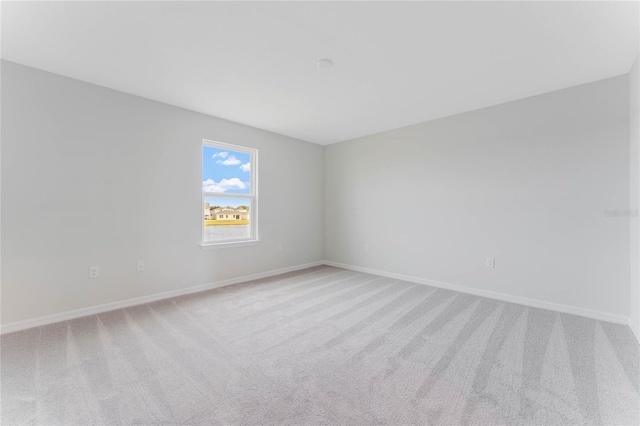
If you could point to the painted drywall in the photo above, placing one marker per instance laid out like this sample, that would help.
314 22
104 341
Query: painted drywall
533 183
634 195
92 176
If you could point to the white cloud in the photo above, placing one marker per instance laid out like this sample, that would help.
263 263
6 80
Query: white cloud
224 185
231 161
222 154
246 167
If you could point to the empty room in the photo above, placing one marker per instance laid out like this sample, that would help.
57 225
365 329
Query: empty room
320 213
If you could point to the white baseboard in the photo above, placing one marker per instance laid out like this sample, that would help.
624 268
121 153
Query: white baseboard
77 313
567 309
64 316
634 330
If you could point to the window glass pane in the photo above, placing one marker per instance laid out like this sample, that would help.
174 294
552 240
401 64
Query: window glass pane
226 218
225 171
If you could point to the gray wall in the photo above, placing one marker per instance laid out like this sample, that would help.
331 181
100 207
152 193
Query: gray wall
91 176
634 194
526 182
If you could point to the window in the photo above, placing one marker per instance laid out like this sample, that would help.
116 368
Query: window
229 193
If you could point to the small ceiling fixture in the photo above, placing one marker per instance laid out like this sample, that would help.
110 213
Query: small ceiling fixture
325 63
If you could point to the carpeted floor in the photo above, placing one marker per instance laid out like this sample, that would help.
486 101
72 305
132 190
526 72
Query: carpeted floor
322 346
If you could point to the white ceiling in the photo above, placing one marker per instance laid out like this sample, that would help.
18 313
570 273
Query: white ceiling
395 63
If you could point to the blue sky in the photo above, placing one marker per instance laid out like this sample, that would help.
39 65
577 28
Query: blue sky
225 171
227 201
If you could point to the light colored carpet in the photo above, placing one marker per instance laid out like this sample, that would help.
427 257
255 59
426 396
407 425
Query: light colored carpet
322 346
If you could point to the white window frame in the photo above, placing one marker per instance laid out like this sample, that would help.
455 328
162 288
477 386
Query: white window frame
252 195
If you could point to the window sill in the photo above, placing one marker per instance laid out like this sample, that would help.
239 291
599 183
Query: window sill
231 244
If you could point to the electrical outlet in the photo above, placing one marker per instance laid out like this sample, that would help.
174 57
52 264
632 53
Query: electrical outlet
94 271
491 262
140 266
366 247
